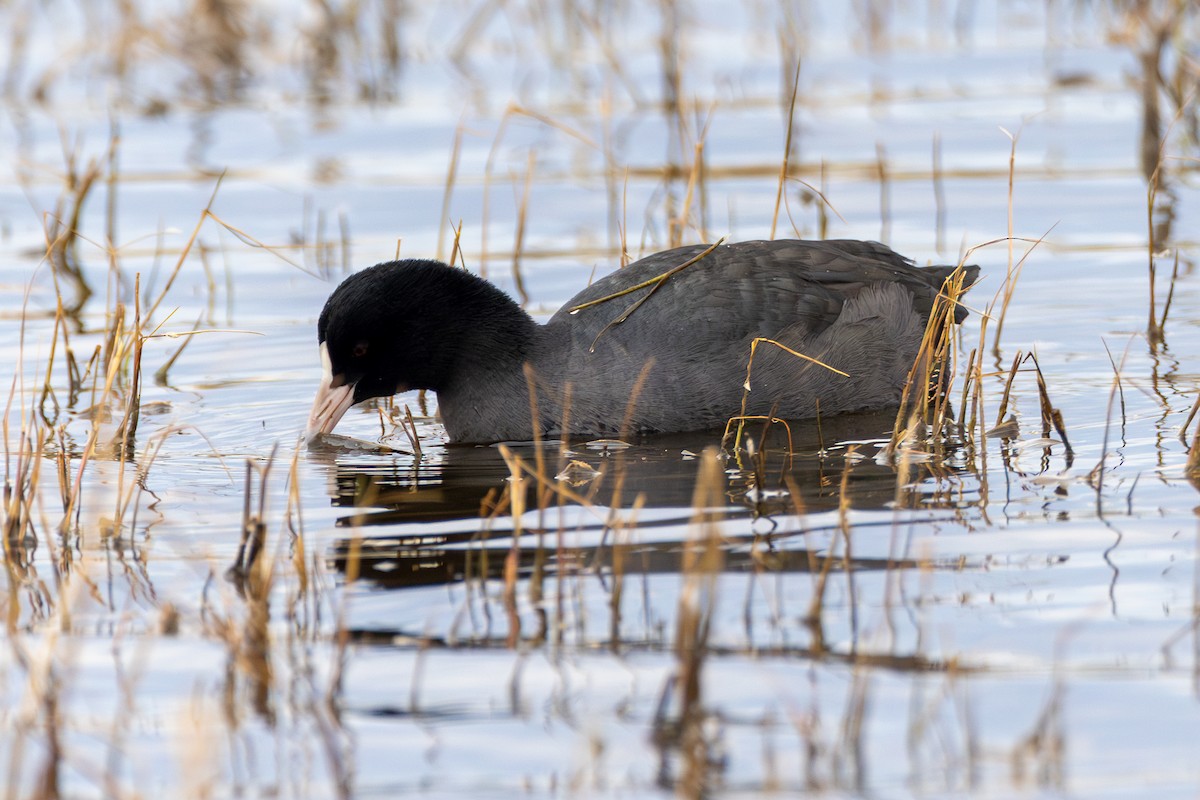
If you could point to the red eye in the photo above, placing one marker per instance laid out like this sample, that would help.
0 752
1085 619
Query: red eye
360 349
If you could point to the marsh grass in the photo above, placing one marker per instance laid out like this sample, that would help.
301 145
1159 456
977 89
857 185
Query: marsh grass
82 411
94 380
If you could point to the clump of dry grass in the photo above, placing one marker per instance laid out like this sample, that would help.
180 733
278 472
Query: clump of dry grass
925 413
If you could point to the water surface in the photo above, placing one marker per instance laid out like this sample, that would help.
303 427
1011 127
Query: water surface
1009 620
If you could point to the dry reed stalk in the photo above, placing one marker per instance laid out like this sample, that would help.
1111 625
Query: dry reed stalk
1162 321
513 110
246 239
344 239
448 192
1154 328
486 202
149 456
127 430
824 206
539 455
785 165
848 756
821 567
621 547
294 520
1096 477
409 426
1013 271
625 257
885 193
695 186
186 249
672 100
978 415
844 529
1002 408
249 570
121 343
456 251
612 56
62 226
519 237
1009 277
702 563
966 424
112 180
614 205
512 561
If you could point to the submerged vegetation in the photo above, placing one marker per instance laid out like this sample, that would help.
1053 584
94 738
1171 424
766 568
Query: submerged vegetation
797 607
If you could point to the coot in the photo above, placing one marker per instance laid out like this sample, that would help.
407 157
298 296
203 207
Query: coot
677 362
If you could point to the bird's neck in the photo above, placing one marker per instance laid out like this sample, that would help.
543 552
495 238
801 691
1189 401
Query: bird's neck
484 396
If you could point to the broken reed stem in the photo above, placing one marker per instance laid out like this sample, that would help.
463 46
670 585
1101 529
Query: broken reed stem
656 281
249 569
160 375
653 283
768 419
1052 418
456 252
742 413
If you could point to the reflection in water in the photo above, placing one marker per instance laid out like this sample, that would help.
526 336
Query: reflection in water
433 522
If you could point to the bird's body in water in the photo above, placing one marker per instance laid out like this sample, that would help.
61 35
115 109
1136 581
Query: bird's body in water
677 362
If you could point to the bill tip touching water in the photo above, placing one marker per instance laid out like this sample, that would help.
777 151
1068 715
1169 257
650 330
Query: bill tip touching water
659 346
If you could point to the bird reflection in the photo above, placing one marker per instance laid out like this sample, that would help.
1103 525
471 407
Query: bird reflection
448 517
